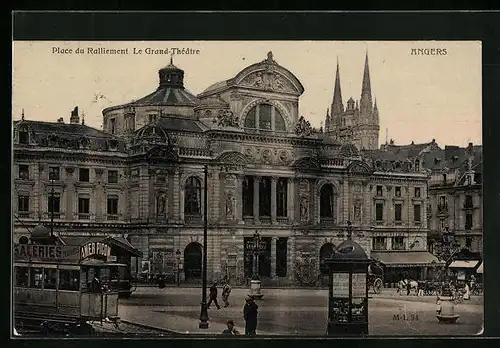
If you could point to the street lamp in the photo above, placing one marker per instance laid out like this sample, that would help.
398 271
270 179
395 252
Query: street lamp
204 310
255 281
178 254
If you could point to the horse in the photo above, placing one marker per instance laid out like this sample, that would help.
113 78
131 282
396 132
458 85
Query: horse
403 285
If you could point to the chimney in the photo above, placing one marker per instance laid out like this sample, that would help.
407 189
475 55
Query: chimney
60 120
74 119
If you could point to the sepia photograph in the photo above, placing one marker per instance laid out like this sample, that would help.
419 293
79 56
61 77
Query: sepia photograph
246 188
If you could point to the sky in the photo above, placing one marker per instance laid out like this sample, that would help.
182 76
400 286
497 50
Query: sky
420 97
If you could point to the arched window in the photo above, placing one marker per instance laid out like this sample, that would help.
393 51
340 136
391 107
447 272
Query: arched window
266 117
326 201
192 196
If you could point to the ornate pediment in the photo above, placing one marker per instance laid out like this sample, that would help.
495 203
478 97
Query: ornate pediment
359 168
306 163
268 80
233 158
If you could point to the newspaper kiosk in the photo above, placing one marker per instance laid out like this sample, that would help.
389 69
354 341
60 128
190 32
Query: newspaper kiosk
348 291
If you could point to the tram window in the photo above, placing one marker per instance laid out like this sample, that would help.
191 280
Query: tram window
22 276
50 278
36 278
69 280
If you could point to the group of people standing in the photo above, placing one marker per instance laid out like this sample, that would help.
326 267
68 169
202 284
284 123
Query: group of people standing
250 309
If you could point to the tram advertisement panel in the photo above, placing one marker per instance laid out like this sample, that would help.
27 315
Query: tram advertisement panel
46 252
340 285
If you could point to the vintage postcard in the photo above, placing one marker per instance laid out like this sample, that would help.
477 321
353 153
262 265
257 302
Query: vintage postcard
254 188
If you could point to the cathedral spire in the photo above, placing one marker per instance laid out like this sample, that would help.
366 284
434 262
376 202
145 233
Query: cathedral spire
366 89
327 120
337 105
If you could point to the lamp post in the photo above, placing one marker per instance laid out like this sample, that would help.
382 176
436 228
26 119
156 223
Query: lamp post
204 310
178 255
255 281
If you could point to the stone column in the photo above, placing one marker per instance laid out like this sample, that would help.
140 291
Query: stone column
291 258
239 198
100 198
345 202
290 198
256 183
273 199
273 256
366 211
176 195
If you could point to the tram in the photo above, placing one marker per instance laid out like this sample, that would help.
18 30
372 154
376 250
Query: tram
66 286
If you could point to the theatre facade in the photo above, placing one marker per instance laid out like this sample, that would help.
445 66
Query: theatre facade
142 178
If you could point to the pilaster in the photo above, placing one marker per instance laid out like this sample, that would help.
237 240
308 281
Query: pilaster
256 186
273 199
290 196
273 256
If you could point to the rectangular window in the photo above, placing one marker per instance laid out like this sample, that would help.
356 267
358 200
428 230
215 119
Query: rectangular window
398 243
281 197
417 192
281 256
22 276
24 137
397 191
379 191
84 174
50 278
84 208
112 177
36 278
468 202
54 203
443 204
265 196
69 280
54 173
112 125
468 221
23 203
24 171
417 213
379 212
248 183
468 242
379 243
112 205
398 208
444 179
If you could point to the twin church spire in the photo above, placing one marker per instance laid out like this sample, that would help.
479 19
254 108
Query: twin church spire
361 119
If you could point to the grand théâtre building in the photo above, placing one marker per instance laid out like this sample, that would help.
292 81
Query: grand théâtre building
268 170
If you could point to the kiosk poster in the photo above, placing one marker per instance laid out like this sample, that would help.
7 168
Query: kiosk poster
340 285
358 285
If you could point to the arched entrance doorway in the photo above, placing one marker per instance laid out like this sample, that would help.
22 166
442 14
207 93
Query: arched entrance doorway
192 262
325 252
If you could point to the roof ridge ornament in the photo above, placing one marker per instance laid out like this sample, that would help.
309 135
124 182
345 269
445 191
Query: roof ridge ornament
22 115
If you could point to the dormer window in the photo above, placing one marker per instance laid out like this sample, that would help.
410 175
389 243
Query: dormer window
24 137
112 125
417 165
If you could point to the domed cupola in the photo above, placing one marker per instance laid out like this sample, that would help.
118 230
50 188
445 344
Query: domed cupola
171 76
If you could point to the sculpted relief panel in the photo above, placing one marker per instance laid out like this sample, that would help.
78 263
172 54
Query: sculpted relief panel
268 81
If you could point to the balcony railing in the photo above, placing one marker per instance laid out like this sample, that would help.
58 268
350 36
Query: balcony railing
248 219
379 222
468 205
23 214
192 219
265 219
328 221
377 247
282 220
112 217
83 216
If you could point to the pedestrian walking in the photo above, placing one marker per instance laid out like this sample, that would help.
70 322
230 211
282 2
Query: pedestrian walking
466 292
213 296
250 311
226 290
230 329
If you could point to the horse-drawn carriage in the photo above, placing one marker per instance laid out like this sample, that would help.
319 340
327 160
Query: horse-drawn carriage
375 276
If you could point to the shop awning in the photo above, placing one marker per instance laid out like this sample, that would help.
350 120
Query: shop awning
406 258
480 269
116 241
464 264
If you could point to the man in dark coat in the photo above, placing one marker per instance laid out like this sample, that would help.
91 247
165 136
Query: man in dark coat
250 312
213 296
